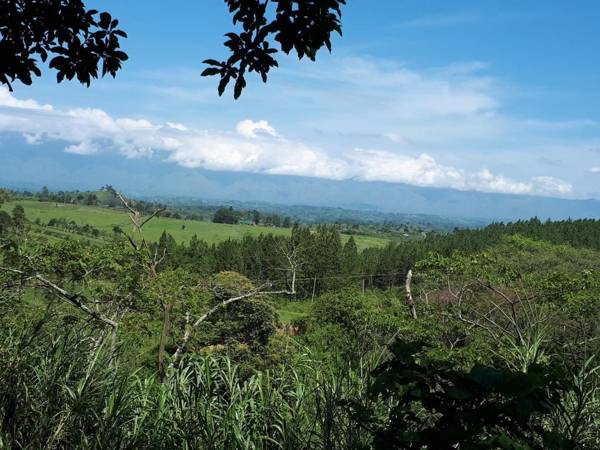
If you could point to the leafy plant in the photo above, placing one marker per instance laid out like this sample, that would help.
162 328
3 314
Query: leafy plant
436 406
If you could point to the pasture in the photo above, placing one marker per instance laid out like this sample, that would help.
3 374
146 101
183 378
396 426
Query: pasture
105 219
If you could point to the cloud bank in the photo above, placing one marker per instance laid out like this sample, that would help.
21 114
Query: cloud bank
253 146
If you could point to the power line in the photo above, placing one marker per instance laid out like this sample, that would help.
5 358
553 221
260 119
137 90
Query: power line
342 277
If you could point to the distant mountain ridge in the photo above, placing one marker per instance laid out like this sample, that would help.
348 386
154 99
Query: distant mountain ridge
31 167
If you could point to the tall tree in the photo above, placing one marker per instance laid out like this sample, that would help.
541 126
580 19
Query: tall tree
4 196
350 258
18 217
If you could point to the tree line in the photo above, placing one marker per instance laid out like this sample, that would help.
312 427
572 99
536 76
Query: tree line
326 263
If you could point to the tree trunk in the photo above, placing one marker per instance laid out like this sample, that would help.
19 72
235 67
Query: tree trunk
409 298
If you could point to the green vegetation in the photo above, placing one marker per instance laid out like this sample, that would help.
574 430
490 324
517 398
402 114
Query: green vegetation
474 339
105 220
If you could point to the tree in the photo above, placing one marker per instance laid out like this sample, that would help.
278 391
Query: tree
256 217
4 196
326 258
228 289
350 258
287 222
226 215
166 247
79 39
5 222
276 220
250 321
91 199
18 217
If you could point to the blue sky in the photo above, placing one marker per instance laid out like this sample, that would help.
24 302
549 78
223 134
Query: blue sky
496 96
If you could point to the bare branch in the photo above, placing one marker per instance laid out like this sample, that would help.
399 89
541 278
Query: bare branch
292 258
190 329
136 219
125 203
72 298
154 214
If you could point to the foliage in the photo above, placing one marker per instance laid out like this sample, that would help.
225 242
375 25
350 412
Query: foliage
70 391
577 416
440 407
4 196
80 39
302 26
226 215
251 321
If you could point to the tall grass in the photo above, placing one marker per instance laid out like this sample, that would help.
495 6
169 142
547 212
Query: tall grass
71 392
578 414
67 388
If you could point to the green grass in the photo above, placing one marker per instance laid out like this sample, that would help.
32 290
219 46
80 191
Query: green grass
105 219
289 311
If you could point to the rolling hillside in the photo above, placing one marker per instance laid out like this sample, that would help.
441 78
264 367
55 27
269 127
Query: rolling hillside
105 219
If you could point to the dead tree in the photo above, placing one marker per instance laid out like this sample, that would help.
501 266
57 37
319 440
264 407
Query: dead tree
137 239
152 260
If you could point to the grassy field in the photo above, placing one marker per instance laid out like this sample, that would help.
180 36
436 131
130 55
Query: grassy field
290 311
105 219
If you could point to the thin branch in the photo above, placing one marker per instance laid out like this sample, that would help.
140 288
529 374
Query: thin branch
125 203
136 220
154 214
73 299
260 291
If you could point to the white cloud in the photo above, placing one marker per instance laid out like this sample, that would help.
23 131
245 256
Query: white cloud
251 129
83 148
487 181
423 170
551 185
7 100
396 138
595 169
177 126
447 112
255 147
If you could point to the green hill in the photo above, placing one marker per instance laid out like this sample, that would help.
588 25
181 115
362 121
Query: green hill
104 219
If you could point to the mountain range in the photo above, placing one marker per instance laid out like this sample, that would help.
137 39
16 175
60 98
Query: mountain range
33 166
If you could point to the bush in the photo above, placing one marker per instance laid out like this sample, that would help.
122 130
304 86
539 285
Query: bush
437 406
